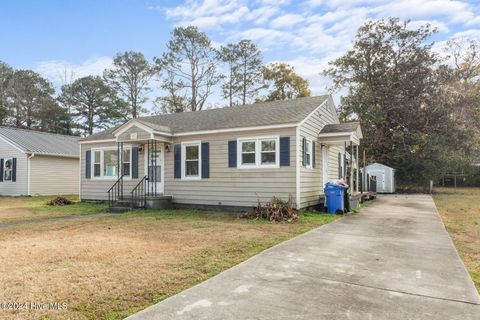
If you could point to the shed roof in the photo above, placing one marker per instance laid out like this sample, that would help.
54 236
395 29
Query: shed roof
31 141
253 115
340 127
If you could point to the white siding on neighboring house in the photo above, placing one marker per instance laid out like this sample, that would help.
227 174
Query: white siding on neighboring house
19 187
53 175
311 179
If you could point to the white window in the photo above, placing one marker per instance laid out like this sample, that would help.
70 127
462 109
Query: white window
248 149
110 163
308 154
7 169
259 152
105 163
97 163
191 160
268 151
127 162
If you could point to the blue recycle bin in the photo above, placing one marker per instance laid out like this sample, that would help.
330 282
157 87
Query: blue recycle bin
335 195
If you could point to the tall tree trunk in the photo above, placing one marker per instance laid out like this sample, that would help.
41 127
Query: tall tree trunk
230 86
244 100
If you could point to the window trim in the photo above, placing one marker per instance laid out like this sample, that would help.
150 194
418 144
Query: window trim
309 153
11 174
186 144
102 176
258 153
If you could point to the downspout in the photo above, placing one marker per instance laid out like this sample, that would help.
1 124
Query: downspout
29 172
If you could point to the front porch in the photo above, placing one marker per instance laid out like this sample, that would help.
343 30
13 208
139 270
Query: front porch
146 166
347 137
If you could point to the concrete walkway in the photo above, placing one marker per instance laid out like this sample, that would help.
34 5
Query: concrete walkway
394 260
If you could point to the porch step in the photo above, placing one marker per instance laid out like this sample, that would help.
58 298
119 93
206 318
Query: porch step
152 202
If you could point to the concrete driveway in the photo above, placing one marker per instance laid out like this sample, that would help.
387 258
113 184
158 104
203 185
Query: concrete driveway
394 260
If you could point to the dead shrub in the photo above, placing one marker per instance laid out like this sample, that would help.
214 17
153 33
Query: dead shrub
59 201
274 211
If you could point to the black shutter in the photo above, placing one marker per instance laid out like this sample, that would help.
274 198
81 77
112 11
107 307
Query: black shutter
232 153
88 167
1 170
339 165
284 151
177 161
14 169
313 154
304 152
134 162
205 160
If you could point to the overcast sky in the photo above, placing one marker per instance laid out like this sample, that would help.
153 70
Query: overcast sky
49 36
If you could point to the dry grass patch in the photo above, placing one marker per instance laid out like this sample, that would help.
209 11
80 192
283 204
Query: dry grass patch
19 209
110 267
460 212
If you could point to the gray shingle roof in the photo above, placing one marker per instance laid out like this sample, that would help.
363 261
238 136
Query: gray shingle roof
253 115
31 141
340 127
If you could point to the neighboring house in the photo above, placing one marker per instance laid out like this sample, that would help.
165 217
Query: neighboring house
232 157
37 163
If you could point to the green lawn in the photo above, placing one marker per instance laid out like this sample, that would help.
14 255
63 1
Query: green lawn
109 267
460 212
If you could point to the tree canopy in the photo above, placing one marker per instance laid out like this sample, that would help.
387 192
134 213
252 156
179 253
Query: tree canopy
130 78
396 90
284 83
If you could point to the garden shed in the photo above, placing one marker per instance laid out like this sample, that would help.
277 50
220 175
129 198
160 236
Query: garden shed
384 175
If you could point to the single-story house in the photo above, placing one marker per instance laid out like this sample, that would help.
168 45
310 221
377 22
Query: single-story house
232 157
38 163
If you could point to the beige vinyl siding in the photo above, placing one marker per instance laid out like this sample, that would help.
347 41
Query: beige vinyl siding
19 187
53 175
232 186
96 188
311 180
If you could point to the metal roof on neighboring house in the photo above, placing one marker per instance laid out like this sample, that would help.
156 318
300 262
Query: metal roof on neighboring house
254 115
31 141
340 127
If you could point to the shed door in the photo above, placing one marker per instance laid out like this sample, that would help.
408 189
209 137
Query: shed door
380 175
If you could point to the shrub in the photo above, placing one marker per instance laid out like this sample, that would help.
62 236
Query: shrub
59 201
275 211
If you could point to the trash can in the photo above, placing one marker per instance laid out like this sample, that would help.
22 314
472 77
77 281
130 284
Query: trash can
335 195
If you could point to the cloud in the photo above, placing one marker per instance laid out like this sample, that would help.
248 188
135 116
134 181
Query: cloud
452 11
287 20
309 33
56 70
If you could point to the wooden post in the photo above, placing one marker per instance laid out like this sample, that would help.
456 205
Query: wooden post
351 166
364 174
344 173
357 161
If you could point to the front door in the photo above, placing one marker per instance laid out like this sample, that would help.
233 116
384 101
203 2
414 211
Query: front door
154 169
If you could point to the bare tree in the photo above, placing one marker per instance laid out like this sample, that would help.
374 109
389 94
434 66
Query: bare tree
190 62
130 78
